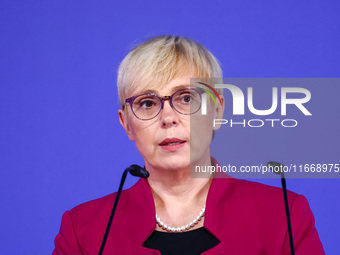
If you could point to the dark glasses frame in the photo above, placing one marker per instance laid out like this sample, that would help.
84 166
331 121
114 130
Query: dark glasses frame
131 100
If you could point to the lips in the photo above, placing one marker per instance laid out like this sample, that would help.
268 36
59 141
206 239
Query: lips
172 144
171 141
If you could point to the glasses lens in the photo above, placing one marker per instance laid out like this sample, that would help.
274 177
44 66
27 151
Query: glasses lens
186 101
146 106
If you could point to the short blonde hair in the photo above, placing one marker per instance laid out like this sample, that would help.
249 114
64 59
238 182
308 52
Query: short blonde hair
161 59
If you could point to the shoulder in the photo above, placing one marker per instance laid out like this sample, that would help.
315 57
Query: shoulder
96 206
242 210
258 202
248 190
100 206
94 214
81 226
81 223
245 198
224 186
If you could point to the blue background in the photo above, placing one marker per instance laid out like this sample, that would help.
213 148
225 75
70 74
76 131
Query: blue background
61 141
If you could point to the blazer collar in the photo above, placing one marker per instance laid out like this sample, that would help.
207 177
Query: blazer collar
142 201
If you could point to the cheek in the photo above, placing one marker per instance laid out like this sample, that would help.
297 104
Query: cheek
205 122
201 129
144 144
144 136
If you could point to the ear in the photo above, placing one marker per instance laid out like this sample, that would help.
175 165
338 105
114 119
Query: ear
219 110
123 119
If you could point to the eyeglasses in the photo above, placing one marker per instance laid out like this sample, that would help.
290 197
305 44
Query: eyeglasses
148 106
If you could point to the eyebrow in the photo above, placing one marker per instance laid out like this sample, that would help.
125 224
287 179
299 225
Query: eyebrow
173 90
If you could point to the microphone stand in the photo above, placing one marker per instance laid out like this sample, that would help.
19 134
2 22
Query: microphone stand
278 169
289 225
135 170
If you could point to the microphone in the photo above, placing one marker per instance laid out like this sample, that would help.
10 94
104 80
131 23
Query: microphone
138 171
134 170
278 168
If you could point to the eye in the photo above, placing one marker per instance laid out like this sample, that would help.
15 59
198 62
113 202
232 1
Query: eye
186 98
146 102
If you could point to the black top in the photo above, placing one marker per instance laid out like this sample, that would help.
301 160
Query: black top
192 242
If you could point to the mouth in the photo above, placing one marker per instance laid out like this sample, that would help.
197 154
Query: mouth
171 141
172 144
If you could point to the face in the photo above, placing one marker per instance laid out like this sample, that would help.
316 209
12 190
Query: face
171 141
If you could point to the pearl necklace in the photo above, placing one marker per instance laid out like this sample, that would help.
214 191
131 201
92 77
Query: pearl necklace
183 228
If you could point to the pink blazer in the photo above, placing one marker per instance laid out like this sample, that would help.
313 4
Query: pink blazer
247 217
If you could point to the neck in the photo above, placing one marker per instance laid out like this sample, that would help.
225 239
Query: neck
177 188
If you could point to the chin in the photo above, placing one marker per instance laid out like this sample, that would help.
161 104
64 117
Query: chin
176 162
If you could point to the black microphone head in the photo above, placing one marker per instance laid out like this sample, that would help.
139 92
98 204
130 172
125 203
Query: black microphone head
138 171
275 167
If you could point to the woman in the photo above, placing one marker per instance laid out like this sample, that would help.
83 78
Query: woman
171 213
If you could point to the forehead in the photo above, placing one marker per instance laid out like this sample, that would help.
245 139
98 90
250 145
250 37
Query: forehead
162 89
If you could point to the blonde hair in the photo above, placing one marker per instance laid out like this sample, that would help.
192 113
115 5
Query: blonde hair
161 59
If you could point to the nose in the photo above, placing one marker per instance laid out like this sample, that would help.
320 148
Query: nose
169 116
